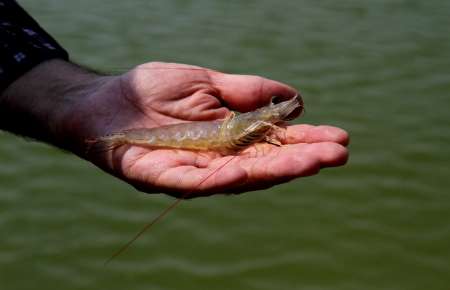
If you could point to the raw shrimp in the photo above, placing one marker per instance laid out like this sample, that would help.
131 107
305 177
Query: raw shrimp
228 136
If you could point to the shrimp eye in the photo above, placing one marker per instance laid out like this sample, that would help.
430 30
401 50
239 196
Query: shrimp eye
276 100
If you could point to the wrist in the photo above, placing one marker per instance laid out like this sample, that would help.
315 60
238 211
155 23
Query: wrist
48 104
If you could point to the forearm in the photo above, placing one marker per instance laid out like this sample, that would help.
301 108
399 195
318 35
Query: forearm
47 103
40 91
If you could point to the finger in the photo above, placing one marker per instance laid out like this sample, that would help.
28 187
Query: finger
245 92
314 134
329 154
295 161
289 162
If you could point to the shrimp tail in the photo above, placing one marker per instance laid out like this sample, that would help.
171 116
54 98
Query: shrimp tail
104 143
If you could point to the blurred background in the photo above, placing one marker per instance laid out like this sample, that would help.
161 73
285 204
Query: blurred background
380 69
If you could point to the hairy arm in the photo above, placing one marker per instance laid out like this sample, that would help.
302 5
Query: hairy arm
45 103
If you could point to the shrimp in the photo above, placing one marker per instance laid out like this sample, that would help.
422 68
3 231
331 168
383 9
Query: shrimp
228 136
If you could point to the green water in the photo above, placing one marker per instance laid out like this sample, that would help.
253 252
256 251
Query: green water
380 69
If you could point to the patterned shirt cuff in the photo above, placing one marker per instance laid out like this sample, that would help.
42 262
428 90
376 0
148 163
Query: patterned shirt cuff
23 43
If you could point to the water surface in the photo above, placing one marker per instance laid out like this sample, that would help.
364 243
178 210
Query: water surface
379 69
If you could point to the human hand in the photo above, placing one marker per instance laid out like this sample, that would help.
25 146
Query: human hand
157 94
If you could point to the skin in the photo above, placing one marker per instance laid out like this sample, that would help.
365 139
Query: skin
62 104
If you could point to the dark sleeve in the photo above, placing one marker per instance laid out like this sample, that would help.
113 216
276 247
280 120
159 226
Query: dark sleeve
23 43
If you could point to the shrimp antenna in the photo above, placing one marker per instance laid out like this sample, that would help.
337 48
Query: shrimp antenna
143 230
163 213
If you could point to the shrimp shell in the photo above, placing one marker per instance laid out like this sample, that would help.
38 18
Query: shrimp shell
228 136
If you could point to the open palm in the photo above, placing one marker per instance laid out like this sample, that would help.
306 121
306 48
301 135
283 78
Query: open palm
157 94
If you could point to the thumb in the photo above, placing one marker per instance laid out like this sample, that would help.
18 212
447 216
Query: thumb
246 92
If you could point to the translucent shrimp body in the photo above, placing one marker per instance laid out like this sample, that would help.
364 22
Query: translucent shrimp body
235 133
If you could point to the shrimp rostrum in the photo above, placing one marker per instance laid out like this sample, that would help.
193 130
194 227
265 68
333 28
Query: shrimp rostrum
229 136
